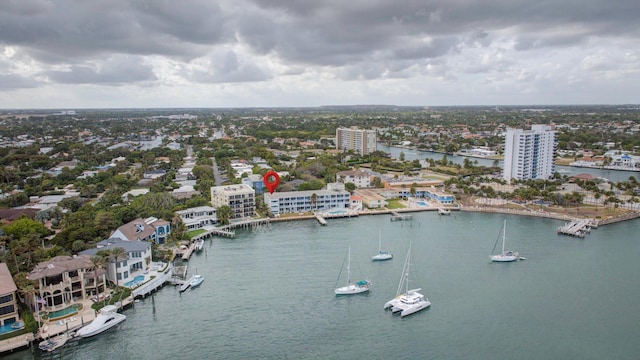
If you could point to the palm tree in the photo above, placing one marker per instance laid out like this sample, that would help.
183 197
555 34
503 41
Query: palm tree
224 214
97 262
118 253
313 200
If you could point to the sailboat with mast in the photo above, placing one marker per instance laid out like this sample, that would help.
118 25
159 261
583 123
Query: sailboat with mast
407 301
351 288
504 256
381 255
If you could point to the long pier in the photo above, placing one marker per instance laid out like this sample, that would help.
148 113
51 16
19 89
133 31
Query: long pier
578 228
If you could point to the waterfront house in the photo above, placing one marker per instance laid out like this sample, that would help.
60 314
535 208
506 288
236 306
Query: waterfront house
150 229
63 280
8 303
198 217
136 261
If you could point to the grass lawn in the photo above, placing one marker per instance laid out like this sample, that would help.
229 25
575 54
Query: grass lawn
394 204
192 233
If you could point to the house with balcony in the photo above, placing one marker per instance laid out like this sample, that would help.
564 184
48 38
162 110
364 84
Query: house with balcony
63 280
359 178
150 229
198 217
135 263
8 295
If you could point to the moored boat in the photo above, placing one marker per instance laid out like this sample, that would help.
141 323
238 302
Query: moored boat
352 287
53 343
409 301
443 211
505 256
107 318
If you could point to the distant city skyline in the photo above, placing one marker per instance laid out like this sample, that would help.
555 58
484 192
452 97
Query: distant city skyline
64 54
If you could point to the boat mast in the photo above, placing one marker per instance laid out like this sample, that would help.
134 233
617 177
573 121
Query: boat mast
379 241
349 266
504 234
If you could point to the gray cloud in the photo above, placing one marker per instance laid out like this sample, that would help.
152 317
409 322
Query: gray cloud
115 71
158 42
13 81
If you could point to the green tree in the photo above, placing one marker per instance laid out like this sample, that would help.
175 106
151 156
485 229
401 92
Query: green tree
224 214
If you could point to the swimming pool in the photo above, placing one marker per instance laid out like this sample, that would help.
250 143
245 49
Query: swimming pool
421 203
7 328
66 312
136 280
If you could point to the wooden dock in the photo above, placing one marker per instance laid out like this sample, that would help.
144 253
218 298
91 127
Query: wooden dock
395 216
578 228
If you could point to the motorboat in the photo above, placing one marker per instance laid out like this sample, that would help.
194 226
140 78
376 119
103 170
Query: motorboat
193 282
107 318
381 255
443 211
199 244
53 343
504 256
409 301
352 288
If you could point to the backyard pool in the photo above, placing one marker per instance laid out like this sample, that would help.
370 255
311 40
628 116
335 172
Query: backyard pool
66 312
136 280
421 203
7 328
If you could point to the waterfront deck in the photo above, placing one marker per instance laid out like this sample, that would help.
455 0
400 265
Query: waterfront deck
578 228
396 216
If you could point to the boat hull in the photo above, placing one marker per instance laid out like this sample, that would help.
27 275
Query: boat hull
507 257
382 257
101 324
352 289
415 308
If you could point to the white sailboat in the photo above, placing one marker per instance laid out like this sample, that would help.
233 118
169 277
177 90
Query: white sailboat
504 256
409 301
352 288
381 255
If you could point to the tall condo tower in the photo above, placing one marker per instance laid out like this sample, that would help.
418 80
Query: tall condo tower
528 154
360 141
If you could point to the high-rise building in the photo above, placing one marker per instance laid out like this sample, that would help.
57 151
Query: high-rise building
528 154
360 141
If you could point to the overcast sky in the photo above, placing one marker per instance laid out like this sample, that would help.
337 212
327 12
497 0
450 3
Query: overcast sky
245 53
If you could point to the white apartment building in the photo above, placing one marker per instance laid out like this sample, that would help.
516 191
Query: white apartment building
360 141
359 178
241 198
301 201
529 154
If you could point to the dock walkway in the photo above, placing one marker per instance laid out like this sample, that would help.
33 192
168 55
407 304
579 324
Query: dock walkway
578 227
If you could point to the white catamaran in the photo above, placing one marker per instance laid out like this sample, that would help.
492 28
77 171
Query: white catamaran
409 301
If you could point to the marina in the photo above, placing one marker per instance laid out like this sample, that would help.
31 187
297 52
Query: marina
457 325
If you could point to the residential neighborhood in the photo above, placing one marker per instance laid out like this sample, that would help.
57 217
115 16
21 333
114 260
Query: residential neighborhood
97 207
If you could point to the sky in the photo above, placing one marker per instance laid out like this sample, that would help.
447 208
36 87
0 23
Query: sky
287 53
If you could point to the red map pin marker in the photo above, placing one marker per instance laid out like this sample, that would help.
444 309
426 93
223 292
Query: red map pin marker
271 181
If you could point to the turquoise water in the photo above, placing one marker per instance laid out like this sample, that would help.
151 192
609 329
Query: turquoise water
269 295
70 310
7 328
421 203
135 281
